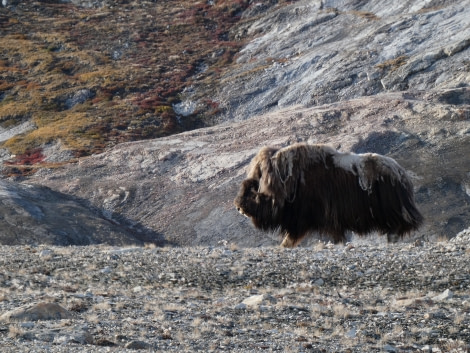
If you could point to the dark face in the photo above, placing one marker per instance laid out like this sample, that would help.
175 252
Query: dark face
254 205
246 200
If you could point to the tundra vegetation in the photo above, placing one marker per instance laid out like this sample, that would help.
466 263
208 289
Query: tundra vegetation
91 77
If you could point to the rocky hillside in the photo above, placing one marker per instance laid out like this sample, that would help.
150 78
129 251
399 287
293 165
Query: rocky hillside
36 215
318 52
183 186
361 76
90 74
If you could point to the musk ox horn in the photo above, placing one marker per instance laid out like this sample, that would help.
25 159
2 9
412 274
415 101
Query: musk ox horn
304 188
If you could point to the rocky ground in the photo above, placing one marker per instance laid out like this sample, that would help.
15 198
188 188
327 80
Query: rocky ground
355 298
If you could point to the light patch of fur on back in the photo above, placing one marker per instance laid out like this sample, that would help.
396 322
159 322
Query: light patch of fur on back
347 161
368 167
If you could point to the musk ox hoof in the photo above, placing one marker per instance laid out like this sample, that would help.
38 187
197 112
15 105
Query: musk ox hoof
288 242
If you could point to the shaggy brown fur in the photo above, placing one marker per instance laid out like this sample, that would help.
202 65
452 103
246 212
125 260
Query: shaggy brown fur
304 188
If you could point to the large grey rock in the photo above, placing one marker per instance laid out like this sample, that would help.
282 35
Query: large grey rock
38 215
37 312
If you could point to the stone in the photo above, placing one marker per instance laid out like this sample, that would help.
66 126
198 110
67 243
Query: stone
45 253
447 294
27 325
351 333
137 345
254 300
37 312
319 282
66 337
137 289
241 306
78 97
257 300
106 270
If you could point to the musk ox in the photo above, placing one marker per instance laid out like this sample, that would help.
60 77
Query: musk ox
304 188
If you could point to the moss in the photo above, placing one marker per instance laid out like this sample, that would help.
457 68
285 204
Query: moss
70 128
162 109
393 64
365 14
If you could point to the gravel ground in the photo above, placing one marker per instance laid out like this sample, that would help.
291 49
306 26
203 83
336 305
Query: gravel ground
353 298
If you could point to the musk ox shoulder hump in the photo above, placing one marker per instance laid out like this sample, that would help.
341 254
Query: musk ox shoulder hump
278 170
259 163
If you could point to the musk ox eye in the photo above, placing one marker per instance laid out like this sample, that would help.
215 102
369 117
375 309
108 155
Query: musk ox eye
241 212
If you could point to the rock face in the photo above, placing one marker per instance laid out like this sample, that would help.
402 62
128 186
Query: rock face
316 52
361 76
37 215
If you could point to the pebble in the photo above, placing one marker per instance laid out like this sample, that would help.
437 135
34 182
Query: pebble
257 300
45 253
40 311
351 333
447 294
137 345
389 348
28 325
137 289
106 270
241 306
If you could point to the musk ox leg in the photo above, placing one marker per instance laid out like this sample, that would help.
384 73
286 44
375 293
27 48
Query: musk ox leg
339 237
393 238
289 241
